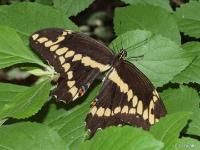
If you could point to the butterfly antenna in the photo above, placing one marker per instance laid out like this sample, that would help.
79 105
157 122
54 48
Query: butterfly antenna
135 58
137 45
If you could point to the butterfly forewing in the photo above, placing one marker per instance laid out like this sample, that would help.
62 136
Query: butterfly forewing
76 57
127 97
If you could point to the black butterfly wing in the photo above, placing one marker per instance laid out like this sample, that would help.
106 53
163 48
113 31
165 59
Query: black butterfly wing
127 97
78 59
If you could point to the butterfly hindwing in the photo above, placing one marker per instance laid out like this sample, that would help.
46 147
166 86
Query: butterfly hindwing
76 57
127 97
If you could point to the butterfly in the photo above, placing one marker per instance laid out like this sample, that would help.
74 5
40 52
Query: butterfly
126 96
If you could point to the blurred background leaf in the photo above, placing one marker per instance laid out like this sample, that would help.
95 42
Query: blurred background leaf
168 128
192 72
133 138
13 50
187 143
181 99
146 17
33 136
12 89
188 18
26 103
33 17
160 3
194 125
72 7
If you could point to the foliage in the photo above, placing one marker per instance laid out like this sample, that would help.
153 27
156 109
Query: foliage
161 3
188 19
191 72
32 135
161 19
149 30
136 137
26 103
169 128
71 7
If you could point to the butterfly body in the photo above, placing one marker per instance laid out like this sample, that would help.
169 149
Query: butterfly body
126 97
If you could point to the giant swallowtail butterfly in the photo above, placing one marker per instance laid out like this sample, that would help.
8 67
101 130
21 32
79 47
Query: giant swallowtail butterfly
126 97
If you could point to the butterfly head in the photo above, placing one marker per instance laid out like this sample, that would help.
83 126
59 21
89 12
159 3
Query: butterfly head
122 54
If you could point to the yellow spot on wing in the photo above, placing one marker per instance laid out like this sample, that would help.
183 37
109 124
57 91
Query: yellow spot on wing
77 57
50 43
100 111
107 112
155 98
75 97
69 54
151 116
117 110
66 66
42 40
73 91
155 93
135 100
140 108
93 110
130 94
54 47
61 59
70 83
145 114
35 36
70 75
64 33
68 31
61 51
125 109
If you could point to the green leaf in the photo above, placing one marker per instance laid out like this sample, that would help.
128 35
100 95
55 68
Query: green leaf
126 138
169 127
146 17
12 49
29 136
188 18
157 57
72 7
27 18
181 99
12 89
187 143
160 3
28 103
70 123
192 72
194 126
